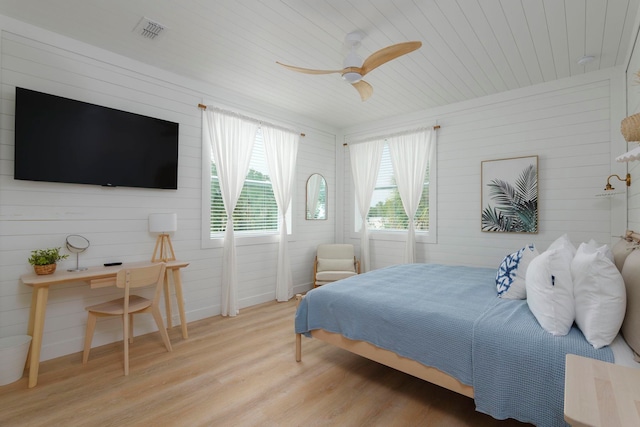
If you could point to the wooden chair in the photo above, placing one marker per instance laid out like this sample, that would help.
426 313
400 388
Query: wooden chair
129 305
334 262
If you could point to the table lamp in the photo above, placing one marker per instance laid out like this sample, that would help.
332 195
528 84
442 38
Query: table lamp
163 223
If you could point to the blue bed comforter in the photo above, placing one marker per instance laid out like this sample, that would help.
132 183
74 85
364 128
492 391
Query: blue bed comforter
449 317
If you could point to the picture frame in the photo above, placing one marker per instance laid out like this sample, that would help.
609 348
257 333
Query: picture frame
509 189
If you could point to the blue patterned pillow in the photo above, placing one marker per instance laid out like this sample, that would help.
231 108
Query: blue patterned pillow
510 279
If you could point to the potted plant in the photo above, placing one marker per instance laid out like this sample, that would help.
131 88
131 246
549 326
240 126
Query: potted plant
44 260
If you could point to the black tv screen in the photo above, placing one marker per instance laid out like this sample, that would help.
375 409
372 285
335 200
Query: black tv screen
63 140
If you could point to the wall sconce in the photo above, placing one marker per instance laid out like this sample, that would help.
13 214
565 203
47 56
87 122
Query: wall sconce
164 224
609 187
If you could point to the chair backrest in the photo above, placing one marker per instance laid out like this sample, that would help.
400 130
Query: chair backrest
138 277
335 251
335 257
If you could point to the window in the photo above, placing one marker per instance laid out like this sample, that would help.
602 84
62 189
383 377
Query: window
256 211
386 211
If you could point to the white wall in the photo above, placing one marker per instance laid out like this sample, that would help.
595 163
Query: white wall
572 125
37 215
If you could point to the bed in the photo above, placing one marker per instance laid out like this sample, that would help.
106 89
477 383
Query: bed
446 325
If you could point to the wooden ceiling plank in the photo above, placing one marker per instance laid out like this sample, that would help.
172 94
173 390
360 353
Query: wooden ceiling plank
495 15
538 26
521 33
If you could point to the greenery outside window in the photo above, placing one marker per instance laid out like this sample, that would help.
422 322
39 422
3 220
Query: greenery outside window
256 211
386 212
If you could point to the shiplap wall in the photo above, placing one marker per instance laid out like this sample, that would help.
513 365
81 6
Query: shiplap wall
633 107
572 125
39 215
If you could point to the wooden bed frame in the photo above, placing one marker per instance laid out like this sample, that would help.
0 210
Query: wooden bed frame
387 358
393 360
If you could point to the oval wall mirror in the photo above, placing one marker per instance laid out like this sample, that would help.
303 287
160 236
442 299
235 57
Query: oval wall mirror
316 197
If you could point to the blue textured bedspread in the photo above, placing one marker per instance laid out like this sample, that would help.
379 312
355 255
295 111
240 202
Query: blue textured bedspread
449 317
518 367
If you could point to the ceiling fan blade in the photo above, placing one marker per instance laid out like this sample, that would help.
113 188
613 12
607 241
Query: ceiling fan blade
388 53
308 70
364 89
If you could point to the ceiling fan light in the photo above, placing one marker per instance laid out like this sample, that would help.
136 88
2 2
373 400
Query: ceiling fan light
352 77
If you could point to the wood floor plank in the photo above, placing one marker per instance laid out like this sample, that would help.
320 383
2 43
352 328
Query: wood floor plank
237 371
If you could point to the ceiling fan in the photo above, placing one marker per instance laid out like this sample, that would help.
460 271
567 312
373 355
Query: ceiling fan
355 69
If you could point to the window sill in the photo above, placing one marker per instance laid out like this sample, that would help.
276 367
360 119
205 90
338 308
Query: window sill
245 240
398 236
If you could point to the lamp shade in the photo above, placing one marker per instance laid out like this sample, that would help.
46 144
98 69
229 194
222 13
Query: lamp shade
630 155
163 222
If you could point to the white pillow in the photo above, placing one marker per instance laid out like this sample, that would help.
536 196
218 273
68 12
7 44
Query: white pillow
599 293
604 248
510 279
563 242
550 290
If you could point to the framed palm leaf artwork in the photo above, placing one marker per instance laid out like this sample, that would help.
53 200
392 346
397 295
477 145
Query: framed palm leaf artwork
510 195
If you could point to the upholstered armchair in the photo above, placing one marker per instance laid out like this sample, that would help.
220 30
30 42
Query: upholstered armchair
334 262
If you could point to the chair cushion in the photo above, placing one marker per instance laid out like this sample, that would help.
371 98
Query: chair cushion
325 264
116 306
332 275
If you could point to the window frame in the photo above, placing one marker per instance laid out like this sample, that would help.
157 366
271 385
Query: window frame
242 238
421 236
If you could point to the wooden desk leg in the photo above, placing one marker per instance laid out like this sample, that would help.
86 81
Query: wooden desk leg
36 327
167 299
32 318
177 283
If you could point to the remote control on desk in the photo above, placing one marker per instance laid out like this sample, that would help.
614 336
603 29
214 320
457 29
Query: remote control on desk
111 264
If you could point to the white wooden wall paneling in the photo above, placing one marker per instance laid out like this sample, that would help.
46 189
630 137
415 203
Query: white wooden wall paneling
35 215
570 124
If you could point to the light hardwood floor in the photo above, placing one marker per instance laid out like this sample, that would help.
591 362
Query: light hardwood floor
232 372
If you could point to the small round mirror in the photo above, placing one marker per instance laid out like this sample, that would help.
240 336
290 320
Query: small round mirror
77 244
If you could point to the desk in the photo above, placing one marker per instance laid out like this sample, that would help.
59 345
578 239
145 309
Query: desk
97 277
598 393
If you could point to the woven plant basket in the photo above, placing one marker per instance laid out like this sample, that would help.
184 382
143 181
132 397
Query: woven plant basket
45 269
630 128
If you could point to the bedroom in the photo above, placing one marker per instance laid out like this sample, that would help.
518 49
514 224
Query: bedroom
571 123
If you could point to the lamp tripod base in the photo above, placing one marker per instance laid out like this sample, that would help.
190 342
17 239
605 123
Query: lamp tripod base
163 250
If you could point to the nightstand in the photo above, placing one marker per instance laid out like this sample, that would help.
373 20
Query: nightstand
599 393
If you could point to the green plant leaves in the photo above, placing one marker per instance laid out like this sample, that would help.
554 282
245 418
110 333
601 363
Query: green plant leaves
46 256
516 207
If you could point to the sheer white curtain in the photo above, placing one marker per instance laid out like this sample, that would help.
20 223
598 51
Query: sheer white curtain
365 162
231 140
410 158
281 150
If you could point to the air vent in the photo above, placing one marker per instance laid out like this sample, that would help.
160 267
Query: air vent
148 28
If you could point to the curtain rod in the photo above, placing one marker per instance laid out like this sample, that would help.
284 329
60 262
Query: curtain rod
204 107
435 127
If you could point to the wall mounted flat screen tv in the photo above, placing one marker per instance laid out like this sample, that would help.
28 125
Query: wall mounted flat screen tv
63 140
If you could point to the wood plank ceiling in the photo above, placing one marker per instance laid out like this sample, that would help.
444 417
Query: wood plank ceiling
471 48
